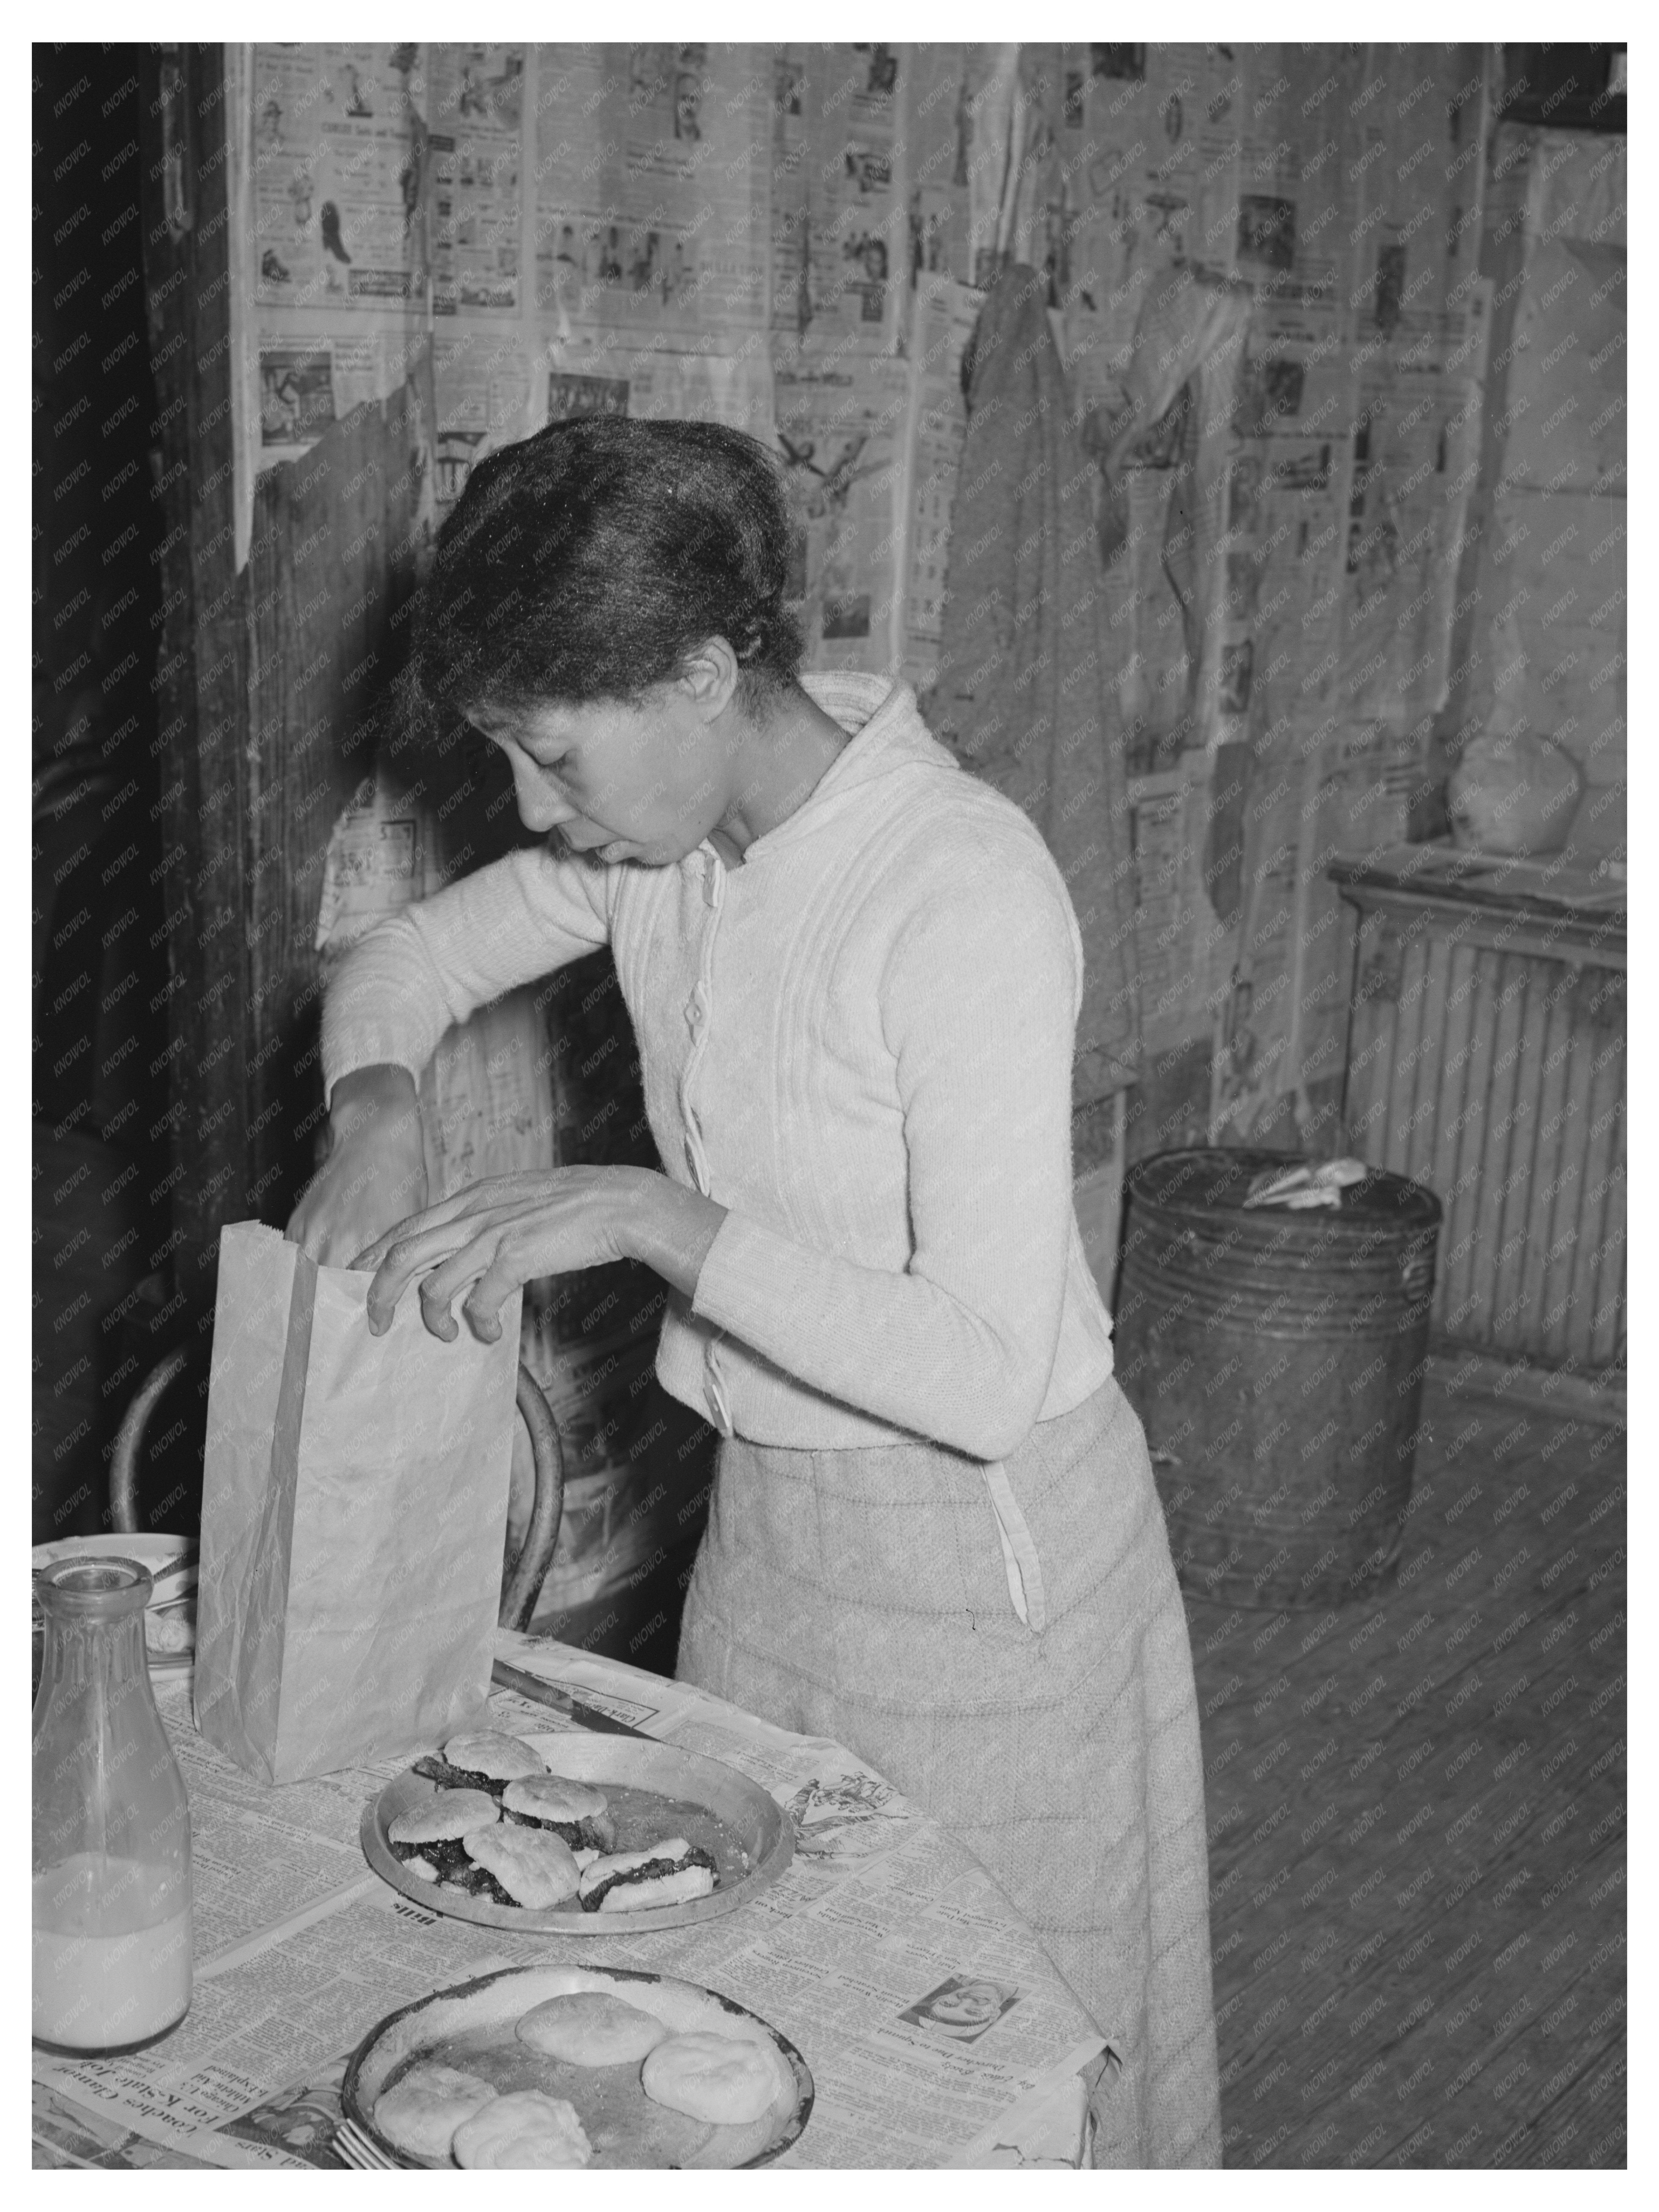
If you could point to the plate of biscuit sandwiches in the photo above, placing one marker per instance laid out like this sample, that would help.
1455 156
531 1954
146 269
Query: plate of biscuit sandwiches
571 2066
575 1835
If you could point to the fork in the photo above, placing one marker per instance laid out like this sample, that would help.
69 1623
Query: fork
353 2148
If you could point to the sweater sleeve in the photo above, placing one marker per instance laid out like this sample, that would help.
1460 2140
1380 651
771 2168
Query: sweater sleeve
978 1007
405 981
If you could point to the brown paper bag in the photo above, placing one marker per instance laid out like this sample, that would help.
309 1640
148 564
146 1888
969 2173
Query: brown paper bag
354 1510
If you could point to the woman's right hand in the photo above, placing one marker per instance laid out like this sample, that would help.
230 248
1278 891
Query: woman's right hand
374 1176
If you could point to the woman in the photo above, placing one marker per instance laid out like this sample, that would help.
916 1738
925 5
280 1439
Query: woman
854 975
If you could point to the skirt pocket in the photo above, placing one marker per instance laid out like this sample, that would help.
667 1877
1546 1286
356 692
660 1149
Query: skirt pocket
1019 1554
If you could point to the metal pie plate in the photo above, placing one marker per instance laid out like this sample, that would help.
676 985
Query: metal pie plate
490 2009
763 1830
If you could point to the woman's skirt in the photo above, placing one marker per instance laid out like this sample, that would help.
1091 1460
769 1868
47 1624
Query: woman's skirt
1008 1647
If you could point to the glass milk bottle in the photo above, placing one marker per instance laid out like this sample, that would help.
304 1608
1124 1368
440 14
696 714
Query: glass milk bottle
111 1863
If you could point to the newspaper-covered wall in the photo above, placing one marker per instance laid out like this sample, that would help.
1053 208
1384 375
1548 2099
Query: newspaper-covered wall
796 238
1339 189
334 258
650 229
1552 614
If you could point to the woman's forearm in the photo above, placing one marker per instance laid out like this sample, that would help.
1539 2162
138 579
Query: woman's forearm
967 1366
401 984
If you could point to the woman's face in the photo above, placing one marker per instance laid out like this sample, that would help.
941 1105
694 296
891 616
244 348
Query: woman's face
974 2005
644 783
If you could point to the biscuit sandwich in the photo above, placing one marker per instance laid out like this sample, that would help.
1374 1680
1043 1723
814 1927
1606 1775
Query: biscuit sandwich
673 1872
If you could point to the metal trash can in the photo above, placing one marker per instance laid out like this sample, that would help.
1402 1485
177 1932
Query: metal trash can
1276 1360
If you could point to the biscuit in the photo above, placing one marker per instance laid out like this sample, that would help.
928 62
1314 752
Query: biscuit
525 2128
550 1797
533 1866
421 2113
591 2028
681 1885
569 1809
714 2078
673 1872
445 1818
494 1753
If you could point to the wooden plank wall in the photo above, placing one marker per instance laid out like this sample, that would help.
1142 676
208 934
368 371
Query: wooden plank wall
201 679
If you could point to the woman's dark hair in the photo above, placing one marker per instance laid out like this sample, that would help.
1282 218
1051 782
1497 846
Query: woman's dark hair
586 561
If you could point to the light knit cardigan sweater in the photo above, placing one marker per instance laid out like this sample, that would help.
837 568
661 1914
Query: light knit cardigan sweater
860 1043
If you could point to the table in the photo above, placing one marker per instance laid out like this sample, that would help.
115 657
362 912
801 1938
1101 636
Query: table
301 1949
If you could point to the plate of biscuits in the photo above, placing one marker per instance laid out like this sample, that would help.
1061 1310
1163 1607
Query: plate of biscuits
575 1835
573 2066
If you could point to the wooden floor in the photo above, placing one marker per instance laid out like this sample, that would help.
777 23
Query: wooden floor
1417 1826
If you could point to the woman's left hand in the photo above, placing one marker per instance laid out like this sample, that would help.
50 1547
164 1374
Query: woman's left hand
500 1234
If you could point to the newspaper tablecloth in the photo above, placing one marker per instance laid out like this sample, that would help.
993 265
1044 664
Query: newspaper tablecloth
301 1949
